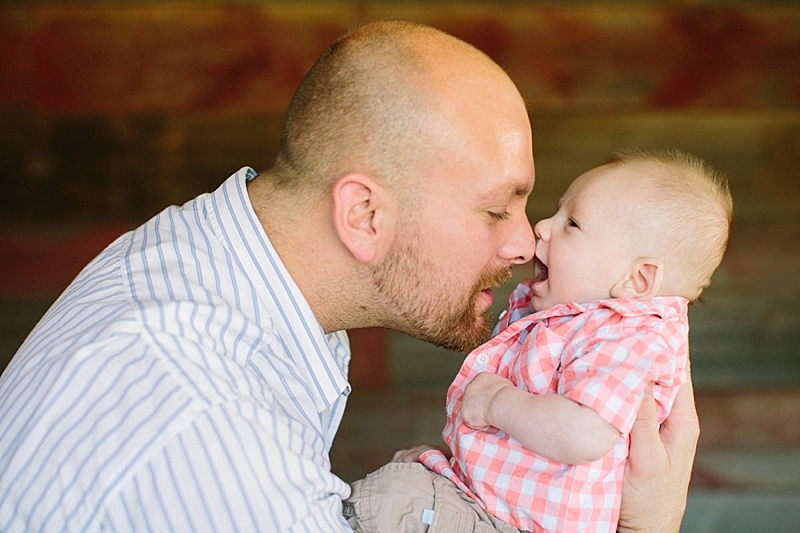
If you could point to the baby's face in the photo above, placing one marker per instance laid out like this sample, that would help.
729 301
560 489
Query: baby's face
586 247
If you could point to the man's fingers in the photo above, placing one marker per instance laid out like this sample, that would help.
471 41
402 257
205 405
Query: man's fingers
682 425
645 438
659 466
409 456
680 433
412 454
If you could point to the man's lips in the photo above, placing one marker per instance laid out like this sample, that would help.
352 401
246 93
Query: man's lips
490 281
539 270
486 298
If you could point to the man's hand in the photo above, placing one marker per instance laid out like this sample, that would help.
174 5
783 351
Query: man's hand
478 396
659 466
412 454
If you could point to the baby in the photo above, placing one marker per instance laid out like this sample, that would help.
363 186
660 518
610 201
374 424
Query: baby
538 418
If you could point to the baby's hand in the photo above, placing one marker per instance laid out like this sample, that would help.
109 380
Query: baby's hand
478 396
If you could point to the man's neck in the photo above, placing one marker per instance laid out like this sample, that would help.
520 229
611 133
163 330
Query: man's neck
307 246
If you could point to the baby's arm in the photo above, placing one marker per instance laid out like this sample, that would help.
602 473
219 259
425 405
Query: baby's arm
551 425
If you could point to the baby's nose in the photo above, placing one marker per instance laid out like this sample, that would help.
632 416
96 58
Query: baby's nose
542 229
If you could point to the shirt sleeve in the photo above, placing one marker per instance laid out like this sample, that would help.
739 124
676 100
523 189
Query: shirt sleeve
609 373
232 471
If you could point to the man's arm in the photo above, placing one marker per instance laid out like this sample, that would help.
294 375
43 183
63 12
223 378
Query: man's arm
550 425
659 466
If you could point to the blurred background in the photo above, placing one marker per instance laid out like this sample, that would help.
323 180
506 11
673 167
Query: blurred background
110 111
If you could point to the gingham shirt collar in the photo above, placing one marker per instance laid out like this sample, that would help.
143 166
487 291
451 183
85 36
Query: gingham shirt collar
239 228
663 307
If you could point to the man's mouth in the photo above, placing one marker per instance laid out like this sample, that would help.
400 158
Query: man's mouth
496 279
485 299
539 270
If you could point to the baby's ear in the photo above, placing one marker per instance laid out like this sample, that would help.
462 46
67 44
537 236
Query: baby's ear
641 281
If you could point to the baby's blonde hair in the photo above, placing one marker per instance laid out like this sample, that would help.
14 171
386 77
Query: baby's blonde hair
691 208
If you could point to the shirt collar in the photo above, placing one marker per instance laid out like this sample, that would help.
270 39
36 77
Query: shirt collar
664 307
311 350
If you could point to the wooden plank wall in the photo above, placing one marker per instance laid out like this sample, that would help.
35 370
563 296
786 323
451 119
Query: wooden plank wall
111 111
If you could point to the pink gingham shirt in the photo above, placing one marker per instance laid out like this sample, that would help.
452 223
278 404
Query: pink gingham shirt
601 354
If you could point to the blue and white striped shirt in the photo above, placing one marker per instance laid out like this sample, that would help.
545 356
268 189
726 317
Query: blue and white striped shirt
180 383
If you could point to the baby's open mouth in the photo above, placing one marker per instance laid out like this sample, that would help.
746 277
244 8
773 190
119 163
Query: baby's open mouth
539 270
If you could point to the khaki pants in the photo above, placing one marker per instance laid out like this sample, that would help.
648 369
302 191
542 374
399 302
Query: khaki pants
409 498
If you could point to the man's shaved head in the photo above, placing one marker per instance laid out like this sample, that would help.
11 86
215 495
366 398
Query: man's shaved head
405 162
366 104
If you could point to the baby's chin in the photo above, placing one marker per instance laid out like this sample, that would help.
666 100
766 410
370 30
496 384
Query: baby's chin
539 304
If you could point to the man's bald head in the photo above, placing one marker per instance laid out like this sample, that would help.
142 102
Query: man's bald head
401 145
367 102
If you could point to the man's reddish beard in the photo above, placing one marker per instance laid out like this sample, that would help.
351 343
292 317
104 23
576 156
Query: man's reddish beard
404 280
471 328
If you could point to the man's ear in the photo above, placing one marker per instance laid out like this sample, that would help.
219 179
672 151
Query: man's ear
363 215
641 281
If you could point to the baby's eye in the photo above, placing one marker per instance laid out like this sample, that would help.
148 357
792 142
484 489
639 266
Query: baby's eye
571 223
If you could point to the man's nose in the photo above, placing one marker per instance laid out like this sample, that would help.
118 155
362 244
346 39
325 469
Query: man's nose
522 245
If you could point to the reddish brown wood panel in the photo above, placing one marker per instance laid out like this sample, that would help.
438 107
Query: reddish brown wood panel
370 362
176 56
36 264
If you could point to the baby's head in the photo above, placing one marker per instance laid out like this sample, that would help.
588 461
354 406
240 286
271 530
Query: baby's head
644 224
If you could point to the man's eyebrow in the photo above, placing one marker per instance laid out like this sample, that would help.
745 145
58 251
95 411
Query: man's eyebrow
522 189
518 189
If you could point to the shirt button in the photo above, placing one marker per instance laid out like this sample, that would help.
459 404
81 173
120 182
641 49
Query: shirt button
482 359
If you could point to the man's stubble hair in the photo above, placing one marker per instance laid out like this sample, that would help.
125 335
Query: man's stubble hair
365 106
361 108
